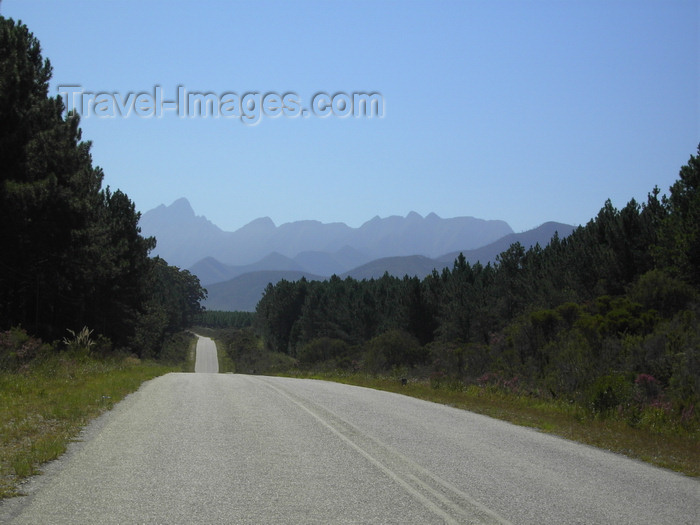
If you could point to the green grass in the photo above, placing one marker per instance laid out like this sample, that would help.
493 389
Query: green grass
226 364
669 447
43 408
191 356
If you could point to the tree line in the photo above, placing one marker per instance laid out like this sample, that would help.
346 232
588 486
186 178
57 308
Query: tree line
584 317
72 253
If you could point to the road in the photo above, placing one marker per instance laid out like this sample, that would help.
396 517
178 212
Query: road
227 448
206 361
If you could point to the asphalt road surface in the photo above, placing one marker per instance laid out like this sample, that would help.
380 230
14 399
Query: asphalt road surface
225 448
205 359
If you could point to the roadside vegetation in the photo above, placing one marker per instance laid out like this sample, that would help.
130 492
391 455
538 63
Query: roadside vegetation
52 393
649 433
85 314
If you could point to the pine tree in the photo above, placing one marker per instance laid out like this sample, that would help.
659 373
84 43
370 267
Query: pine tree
49 192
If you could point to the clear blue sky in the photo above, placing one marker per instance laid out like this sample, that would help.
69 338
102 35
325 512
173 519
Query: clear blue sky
513 110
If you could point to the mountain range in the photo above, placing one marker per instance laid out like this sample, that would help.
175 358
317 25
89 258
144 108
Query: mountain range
236 266
185 238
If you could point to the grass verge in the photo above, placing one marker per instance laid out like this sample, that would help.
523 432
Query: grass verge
44 408
675 449
226 364
191 356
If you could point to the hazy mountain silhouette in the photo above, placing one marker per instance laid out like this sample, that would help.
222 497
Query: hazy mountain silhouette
185 238
410 265
323 263
242 293
209 270
235 267
422 266
542 235
182 237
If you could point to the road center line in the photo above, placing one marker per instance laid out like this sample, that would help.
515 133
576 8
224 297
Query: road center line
444 503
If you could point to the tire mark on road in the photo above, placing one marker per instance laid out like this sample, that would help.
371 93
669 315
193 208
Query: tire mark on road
439 496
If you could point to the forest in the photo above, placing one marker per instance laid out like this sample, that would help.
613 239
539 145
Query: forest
607 317
72 254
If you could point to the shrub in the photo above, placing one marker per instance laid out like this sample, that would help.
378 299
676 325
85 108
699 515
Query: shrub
175 348
323 350
609 392
437 378
457 360
391 349
569 364
447 358
17 348
545 323
80 342
648 388
659 291
569 312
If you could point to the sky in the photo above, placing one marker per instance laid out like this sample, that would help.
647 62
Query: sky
524 111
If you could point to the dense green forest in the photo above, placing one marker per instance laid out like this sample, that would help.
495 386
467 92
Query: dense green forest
72 253
608 316
224 319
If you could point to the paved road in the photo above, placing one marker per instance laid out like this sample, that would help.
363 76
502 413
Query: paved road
225 448
206 361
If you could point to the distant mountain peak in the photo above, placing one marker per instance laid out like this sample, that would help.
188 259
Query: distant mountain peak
185 238
180 208
262 223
